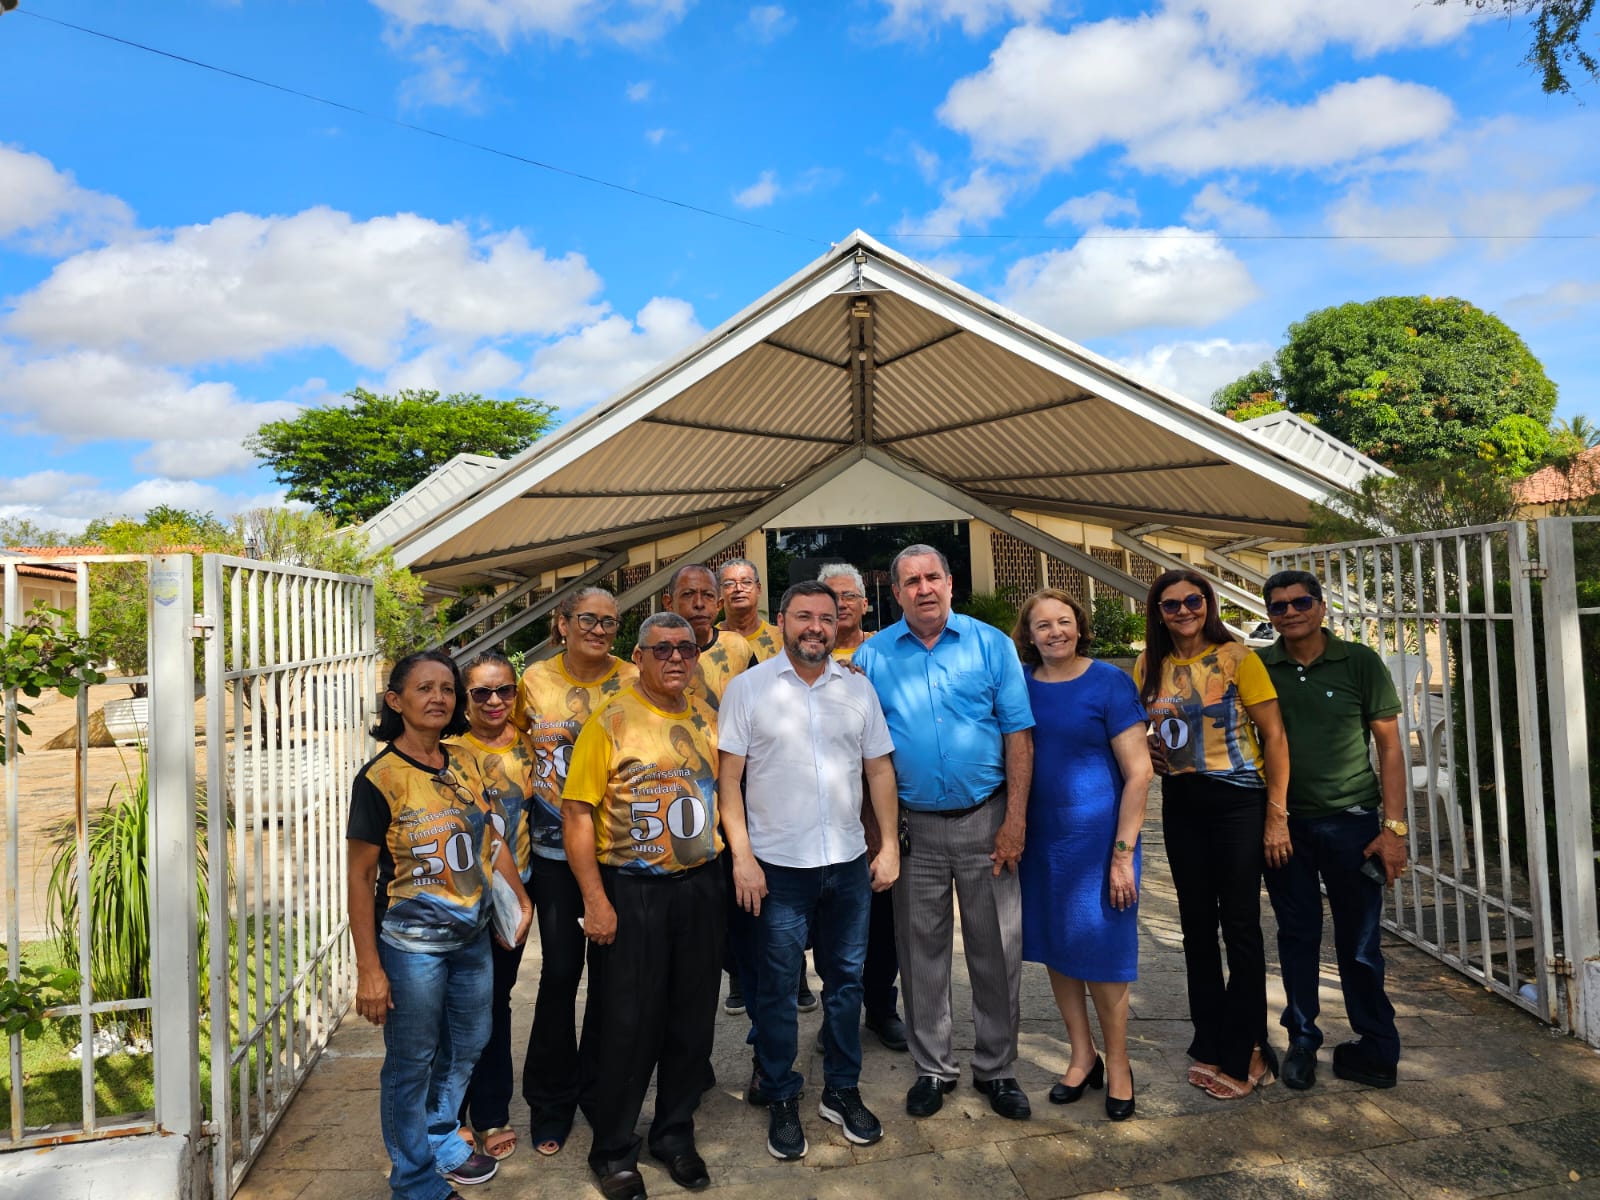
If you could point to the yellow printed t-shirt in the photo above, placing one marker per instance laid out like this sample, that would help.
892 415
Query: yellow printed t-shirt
507 773
764 642
552 706
651 778
433 839
1199 712
845 653
729 655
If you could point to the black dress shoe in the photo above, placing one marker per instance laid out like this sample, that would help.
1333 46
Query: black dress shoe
927 1094
1005 1097
891 1030
687 1168
1299 1068
1120 1110
1071 1093
623 1185
1350 1061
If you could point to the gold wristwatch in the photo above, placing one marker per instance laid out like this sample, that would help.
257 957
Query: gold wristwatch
1397 827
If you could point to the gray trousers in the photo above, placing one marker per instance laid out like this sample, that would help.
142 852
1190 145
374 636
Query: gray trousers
953 853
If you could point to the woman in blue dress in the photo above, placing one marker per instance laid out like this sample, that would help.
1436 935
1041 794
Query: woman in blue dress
1080 865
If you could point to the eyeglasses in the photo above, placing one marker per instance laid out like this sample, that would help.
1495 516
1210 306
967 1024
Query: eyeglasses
480 695
445 776
588 622
848 596
1300 604
1194 602
664 651
738 585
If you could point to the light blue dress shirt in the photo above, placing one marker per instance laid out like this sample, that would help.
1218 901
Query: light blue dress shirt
947 708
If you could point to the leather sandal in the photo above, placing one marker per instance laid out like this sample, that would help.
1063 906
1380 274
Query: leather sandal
499 1142
1201 1074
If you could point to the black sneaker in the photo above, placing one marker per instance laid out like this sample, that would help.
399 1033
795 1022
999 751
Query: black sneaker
786 1139
804 998
843 1107
1299 1068
479 1168
734 1004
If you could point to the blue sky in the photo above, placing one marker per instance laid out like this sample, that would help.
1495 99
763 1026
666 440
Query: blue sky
184 254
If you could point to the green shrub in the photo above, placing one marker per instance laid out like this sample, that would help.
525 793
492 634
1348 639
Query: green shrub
996 608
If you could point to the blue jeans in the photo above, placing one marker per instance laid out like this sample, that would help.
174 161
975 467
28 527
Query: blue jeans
833 904
433 1035
1330 847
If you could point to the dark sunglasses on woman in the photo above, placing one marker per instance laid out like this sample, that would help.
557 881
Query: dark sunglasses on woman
480 695
1194 602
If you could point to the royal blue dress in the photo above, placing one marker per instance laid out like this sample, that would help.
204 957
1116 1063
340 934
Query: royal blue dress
1067 919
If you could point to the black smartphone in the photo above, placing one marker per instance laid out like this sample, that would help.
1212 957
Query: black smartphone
1372 868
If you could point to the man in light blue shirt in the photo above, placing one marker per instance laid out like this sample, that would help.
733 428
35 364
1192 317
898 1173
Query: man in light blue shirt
957 706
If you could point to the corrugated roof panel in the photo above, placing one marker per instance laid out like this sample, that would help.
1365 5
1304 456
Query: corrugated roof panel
901 327
957 381
770 389
822 331
458 477
1315 447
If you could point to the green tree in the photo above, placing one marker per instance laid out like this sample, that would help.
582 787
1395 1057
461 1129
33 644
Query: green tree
306 538
350 461
1557 26
20 531
1420 497
1410 379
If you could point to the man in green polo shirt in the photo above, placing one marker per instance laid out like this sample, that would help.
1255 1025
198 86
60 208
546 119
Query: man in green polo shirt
1335 696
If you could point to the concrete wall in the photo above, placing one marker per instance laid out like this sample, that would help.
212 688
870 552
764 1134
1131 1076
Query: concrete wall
146 1167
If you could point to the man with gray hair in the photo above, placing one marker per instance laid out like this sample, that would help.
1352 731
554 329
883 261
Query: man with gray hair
953 691
639 822
739 583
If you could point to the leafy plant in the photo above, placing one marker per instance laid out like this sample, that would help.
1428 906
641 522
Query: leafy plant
45 652
24 1000
995 608
119 890
1114 627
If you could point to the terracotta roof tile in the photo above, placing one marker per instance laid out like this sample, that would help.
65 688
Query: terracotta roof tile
1553 485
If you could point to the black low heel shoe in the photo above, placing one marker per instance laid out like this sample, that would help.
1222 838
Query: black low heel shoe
1064 1093
1120 1110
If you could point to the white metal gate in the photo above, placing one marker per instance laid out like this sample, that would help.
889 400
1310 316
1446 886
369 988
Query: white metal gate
1455 616
290 668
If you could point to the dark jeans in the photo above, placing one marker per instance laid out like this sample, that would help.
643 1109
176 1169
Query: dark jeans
487 1104
550 1069
879 995
831 903
1330 847
1213 832
652 1009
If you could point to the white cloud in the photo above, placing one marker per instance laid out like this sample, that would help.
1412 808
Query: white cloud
1416 225
244 286
485 370
768 22
43 209
1112 281
927 162
1047 98
654 136
639 92
1558 302
1220 206
1196 369
969 205
441 80
911 18
760 193
1300 27
70 507
1094 209
195 428
625 21
21 492
604 357
1347 121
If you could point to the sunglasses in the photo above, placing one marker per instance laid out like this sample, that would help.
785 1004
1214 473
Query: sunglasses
588 622
1194 602
1300 604
480 695
664 651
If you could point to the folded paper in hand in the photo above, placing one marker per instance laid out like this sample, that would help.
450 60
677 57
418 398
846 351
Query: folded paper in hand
505 910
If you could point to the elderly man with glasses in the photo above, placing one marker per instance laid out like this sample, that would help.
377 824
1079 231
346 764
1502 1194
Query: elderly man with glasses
639 817
1347 830
739 584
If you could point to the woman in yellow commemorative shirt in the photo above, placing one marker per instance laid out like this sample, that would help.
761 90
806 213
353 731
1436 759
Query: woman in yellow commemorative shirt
504 757
421 841
554 699
1217 739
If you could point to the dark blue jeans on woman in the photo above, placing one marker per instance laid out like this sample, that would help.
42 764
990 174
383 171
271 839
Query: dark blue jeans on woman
833 905
1330 847
1213 832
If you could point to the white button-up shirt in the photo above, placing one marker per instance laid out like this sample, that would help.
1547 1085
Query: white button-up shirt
804 746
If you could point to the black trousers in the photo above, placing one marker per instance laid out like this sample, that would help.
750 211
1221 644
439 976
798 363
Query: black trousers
879 995
550 1069
1213 832
653 996
487 1104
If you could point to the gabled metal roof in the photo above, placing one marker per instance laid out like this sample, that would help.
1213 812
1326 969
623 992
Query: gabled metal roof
460 476
1314 445
864 354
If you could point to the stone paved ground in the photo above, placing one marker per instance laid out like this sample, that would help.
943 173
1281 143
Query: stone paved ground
1490 1103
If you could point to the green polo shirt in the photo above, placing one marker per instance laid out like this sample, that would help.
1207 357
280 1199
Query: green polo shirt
1327 710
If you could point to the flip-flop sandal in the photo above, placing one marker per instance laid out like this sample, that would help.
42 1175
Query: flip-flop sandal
504 1147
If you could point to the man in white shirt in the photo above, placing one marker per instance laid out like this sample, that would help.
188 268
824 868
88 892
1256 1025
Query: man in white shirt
796 735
